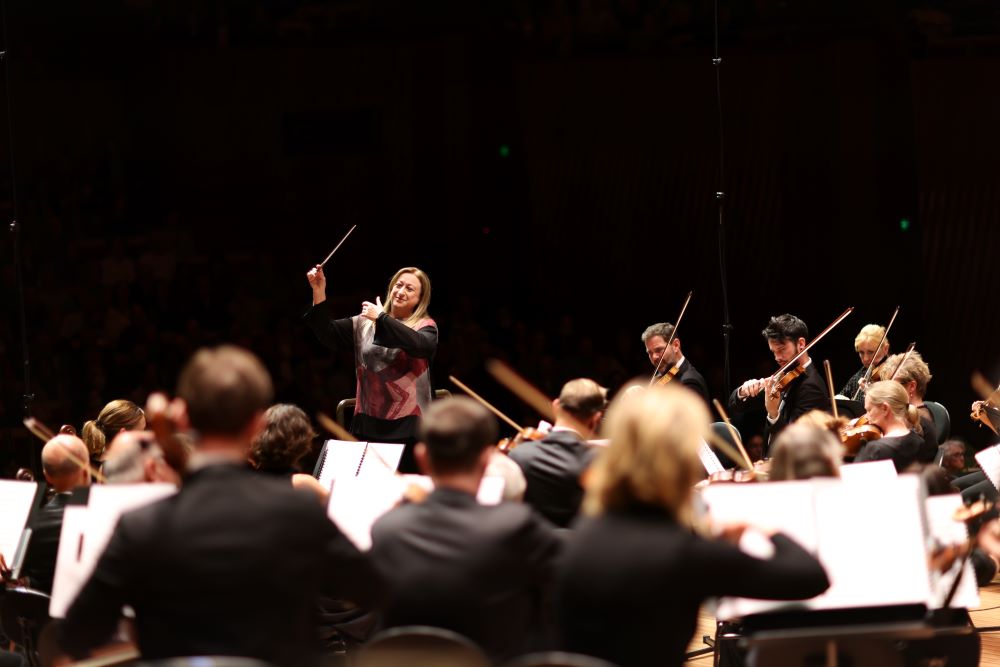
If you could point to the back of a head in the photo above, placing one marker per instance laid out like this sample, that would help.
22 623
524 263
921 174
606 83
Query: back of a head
286 438
61 458
785 327
894 395
224 388
913 369
126 458
804 451
652 459
455 431
116 416
582 398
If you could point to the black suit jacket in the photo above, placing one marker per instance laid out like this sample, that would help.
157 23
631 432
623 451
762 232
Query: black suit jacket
693 380
552 468
631 583
479 571
231 565
40 560
806 392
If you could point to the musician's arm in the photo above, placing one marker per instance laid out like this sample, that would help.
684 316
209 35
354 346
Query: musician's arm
420 343
333 333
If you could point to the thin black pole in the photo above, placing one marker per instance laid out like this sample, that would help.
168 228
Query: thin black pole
720 195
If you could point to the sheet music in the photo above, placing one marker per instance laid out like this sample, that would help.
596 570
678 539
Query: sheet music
380 457
869 472
709 459
870 538
357 503
343 458
989 461
945 530
82 543
16 499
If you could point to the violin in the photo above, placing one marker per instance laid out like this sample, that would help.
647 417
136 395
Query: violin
979 414
506 445
666 377
858 432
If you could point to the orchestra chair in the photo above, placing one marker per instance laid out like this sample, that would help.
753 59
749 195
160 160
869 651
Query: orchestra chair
420 646
850 409
722 431
942 420
558 659
23 614
346 406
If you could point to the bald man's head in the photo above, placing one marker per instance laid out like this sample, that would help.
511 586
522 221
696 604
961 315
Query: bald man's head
61 470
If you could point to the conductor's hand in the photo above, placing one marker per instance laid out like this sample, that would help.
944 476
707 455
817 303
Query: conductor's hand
372 310
317 280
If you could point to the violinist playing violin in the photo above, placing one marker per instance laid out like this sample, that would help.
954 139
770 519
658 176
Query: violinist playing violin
866 344
671 363
887 406
786 337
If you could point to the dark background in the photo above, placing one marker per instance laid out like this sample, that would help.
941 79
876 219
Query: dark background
181 164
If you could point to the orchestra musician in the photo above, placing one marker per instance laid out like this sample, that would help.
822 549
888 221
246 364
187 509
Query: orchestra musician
117 416
866 344
554 465
914 374
232 563
450 562
805 450
635 573
887 406
786 337
670 360
394 345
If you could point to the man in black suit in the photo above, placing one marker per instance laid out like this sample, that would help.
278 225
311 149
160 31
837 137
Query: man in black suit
453 563
666 358
231 564
553 466
63 474
786 337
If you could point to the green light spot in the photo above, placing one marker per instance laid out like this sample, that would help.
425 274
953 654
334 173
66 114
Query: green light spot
904 225
504 150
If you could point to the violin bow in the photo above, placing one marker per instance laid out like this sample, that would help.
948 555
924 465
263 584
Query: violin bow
735 435
486 404
815 340
902 361
871 365
829 384
45 434
673 334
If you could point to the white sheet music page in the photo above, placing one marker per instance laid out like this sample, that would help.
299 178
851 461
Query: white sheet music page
989 461
709 459
869 472
71 570
873 544
945 530
15 507
381 457
107 502
343 458
356 503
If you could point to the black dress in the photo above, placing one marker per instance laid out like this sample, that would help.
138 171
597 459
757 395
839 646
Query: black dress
902 450
632 582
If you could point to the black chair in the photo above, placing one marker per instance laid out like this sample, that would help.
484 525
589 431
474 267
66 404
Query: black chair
722 431
420 646
23 614
850 409
942 420
205 661
558 659
348 405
